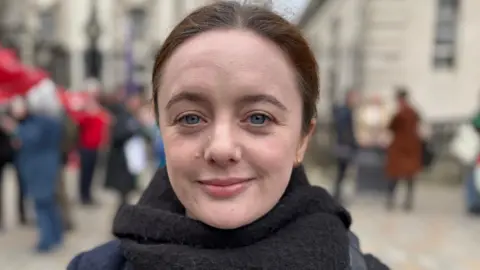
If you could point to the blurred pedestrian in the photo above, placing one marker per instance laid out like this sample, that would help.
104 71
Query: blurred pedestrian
404 155
346 141
124 127
6 156
159 149
68 145
371 123
7 153
472 181
91 138
147 118
38 160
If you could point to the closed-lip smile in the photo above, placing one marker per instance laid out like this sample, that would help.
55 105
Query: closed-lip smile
226 187
224 182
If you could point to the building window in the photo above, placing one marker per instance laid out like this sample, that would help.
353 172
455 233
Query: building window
446 34
138 19
335 40
47 30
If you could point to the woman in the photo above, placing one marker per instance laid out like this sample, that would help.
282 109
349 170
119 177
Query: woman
404 155
38 162
234 194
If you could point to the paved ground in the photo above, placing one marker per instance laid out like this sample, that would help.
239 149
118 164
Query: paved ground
437 235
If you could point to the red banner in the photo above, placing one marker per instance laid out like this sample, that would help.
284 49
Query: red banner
15 78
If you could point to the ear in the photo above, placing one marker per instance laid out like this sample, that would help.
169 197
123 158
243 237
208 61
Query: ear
302 147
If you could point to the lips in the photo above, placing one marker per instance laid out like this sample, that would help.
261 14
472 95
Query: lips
224 182
225 188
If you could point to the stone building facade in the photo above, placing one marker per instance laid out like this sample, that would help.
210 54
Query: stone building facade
428 46
54 35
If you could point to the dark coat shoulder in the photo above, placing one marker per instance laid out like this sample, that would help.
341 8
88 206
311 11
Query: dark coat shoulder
360 261
105 257
109 257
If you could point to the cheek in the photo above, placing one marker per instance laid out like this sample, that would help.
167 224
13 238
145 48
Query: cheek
179 151
180 158
275 150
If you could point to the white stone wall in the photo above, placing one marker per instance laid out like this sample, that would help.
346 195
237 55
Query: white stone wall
443 93
398 42
319 34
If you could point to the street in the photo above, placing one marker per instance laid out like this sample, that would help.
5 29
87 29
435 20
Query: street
437 235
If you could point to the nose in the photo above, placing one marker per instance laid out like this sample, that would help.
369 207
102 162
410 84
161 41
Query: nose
221 147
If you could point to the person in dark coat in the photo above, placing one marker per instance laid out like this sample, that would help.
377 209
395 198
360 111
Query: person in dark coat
125 126
6 156
404 155
7 153
234 194
38 162
346 141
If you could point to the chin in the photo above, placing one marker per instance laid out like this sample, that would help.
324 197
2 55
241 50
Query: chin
226 223
227 218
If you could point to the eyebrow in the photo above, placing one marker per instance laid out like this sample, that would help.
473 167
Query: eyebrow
247 99
186 96
263 98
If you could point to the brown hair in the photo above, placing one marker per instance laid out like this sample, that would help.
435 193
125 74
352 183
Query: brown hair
227 15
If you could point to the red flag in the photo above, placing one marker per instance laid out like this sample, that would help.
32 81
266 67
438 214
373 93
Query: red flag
10 67
21 83
15 78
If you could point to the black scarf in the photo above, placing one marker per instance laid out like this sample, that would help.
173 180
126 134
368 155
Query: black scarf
305 230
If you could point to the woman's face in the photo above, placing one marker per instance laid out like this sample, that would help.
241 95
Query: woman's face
231 117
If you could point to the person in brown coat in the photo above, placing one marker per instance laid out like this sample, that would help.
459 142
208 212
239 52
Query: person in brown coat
404 156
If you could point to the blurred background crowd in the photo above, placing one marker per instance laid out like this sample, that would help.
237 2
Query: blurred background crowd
397 114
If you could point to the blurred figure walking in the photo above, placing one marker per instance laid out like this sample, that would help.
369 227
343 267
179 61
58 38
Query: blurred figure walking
6 156
38 161
91 138
346 142
404 155
7 153
125 127
68 145
147 119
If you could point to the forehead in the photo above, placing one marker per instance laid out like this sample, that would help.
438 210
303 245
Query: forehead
229 56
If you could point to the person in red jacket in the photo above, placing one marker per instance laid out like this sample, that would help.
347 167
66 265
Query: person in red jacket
92 128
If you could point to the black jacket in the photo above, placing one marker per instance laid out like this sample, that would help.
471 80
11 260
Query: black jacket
6 149
124 127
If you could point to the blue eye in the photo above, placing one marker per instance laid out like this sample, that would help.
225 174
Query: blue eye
258 119
190 119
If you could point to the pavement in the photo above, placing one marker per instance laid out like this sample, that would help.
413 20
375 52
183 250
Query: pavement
436 235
